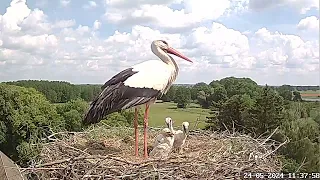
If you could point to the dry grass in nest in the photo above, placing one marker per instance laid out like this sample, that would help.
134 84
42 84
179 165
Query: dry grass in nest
108 153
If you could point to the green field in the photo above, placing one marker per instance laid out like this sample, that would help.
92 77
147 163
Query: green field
310 92
159 111
310 95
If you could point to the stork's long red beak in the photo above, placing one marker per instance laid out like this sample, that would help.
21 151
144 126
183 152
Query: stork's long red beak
177 53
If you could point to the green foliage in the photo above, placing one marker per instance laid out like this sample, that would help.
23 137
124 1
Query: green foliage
28 151
59 91
3 132
182 97
286 92
26 116
72 113
218 92
214 96
234 112
218 96
317 119
89 92
230 99
205 88
302 109
239 86
170 95
304 146
296 96
123 118
267 113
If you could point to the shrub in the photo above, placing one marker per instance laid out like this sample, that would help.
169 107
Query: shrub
25 118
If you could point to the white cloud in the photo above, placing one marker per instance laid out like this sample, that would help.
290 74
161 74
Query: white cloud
34 46
159 14
301 5
220 45
96 25
14 15
310 23
90 5
65 3
285 51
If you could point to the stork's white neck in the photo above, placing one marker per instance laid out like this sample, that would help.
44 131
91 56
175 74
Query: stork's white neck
170 62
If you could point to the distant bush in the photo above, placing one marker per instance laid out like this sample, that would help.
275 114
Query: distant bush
123 118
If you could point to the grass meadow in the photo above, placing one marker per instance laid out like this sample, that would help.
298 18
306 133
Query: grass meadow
194 114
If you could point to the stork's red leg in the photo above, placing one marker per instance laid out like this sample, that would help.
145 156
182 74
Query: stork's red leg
136 134
146 115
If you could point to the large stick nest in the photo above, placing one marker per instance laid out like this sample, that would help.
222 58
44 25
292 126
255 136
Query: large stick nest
108 153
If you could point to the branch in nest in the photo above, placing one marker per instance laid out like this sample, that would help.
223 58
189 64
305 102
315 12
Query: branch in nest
269 136
266 155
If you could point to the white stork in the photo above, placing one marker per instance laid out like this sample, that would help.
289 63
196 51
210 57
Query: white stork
135 86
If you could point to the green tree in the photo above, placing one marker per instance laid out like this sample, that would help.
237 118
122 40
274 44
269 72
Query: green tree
234 112
26 117
213 96
202 98
182 97
297 96
303 147
170 95
268 112
199 87
218 96
285 92
72 113
239 86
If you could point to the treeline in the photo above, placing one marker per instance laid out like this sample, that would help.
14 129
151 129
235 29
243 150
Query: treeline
299 88
216 92
59 91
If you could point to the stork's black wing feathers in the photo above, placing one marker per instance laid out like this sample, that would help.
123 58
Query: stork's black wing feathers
120 77
116 96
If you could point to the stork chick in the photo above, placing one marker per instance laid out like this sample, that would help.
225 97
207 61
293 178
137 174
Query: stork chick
160 136
163 144
179 136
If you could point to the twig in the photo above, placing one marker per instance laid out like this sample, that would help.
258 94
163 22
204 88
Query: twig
302 163
269 136
266 155
226 128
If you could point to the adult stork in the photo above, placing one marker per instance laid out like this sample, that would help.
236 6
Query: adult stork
138 85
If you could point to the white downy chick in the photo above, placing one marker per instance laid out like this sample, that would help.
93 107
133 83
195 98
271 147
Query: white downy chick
163 144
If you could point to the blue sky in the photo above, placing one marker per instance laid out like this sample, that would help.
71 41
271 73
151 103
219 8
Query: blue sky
272 42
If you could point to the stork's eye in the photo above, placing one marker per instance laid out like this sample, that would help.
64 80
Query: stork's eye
164 42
